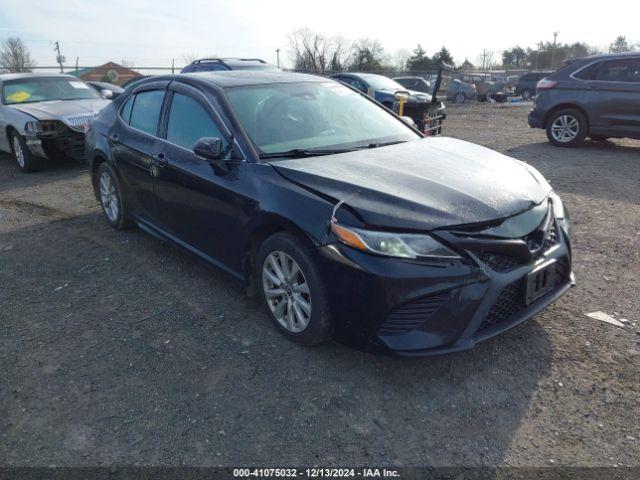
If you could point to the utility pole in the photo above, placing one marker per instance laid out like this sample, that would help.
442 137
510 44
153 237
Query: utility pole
278 56
553 52
173 66
59 58
77 60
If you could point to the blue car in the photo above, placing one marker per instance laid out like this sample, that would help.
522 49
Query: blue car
217 64
384 90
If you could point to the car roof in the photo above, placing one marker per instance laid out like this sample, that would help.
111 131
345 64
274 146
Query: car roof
611 55
408 78
234 78
18 76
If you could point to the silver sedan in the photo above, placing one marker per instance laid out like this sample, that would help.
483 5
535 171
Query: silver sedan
42 116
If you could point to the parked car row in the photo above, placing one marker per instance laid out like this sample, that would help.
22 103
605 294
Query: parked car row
344 220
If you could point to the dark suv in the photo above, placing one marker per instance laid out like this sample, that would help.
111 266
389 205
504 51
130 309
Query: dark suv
526 85
216 64
597 96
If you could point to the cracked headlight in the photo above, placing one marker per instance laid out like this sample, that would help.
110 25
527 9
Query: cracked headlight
401 245
39 128
561 213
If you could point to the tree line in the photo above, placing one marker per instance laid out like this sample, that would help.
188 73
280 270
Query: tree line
317 53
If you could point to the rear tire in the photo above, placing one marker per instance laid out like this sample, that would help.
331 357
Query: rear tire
292 290
460 98
526 94
111 198
26 161
567 128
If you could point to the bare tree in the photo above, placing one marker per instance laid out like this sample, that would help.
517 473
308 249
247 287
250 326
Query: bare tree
400 58
126 63
189 58
485 60
312 52
15 56
367 56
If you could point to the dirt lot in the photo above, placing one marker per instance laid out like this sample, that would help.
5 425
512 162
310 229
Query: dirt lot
116 348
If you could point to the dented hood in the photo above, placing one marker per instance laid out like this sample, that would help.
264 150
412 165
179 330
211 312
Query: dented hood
424 184
58 109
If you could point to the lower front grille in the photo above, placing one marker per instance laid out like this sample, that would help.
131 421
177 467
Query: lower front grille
510 302
410 316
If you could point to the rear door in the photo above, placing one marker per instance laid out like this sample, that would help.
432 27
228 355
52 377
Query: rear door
134 140
198 202
615 96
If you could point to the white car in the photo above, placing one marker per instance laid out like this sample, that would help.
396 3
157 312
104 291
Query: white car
43 116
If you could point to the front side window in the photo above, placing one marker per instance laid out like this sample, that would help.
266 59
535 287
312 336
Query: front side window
43 89
313 115
146 111
189 122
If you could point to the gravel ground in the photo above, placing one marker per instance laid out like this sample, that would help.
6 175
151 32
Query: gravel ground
116 348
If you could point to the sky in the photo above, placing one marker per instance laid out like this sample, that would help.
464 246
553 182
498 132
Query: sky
152 33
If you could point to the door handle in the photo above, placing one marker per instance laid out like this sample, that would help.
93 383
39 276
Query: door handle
114 137
160 160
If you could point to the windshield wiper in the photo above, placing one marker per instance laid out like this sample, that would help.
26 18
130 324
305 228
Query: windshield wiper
376 145
301 153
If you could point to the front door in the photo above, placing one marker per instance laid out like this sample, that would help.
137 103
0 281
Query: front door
198 202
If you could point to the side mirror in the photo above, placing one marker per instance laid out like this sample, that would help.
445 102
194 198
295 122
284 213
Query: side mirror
409 121
209 148
106 94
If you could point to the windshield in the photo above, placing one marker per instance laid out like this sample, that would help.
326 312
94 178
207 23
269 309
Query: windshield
29 90
313 115
379 82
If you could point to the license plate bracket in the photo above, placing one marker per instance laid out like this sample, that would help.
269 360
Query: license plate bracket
540 282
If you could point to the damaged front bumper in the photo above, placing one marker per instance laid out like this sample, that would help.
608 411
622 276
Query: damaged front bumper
410 308
50 139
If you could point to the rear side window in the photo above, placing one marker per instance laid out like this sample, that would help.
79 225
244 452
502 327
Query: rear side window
146 111
624 70
189 121
620 70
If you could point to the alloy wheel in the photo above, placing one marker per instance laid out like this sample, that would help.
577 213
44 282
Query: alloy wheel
17 150
286 291
565 128
109 197
460 98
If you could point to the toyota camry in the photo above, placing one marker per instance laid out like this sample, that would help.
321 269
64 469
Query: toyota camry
343 219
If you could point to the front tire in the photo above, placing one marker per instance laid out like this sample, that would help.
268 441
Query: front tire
526 95
567 128
26 161
292 290
111 198
460 98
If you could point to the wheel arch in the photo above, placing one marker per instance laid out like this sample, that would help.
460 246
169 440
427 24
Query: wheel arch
268 226
97 159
